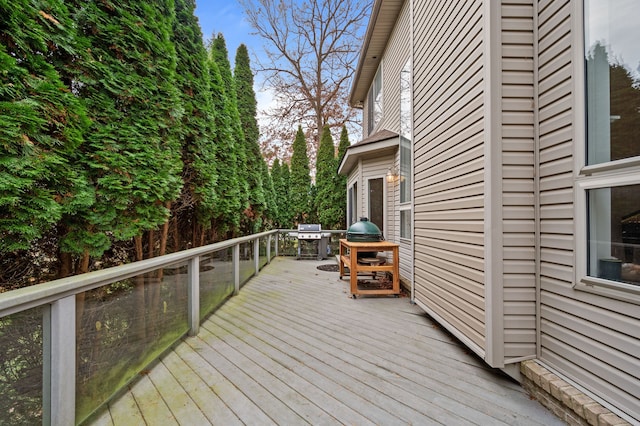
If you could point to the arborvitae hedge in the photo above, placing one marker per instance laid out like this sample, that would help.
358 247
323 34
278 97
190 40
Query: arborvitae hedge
41 124
247 110
132 149
300 179
200 174
327 192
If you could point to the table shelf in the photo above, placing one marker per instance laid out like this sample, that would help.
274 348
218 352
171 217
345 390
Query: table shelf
349 259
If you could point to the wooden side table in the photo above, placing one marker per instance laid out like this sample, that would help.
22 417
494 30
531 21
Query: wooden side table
349 258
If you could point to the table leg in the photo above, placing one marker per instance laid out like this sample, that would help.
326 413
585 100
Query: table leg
353 271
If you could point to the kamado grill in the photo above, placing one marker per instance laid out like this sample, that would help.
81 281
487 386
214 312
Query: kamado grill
311 233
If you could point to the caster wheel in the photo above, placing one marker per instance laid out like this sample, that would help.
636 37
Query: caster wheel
353 296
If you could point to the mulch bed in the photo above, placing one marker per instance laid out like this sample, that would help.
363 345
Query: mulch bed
329 268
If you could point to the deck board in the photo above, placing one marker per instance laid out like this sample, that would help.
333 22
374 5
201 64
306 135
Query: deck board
294 348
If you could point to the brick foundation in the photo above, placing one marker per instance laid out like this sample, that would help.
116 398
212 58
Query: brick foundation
565 401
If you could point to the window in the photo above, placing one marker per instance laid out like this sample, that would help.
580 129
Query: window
405 151
609 184
352 216
376 202
374 109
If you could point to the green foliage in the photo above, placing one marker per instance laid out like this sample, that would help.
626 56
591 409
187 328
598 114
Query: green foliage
197 131
227 210
41 124
327 192
219 55
256 171
281 190
300 179
341 182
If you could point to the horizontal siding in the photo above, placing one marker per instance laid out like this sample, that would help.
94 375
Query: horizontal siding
448 164
518 201
590 339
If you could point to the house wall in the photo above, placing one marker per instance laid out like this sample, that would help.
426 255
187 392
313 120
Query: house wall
449 147
396 54
518 180
592 339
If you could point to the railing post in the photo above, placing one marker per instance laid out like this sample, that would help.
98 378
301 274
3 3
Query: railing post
59 393
193 277
277 242
236 269
256 256
269 248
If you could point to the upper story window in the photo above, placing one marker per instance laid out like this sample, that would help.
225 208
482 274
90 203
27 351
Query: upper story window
613 79
610 181
405 150
405 133
374 110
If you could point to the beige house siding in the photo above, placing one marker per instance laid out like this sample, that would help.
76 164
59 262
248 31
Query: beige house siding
518 203
397 52
592 339
449 165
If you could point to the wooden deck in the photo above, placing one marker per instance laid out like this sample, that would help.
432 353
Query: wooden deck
293 348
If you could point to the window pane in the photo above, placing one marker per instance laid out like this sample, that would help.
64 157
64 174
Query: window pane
377 98
613 79
614 233
405 133
376 202
405 223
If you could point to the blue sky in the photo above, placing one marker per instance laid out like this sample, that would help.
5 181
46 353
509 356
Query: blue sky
227 17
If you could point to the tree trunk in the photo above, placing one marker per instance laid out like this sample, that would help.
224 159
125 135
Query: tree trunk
176 235
152 243
65 265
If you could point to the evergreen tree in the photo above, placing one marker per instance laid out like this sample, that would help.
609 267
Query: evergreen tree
341 181
271 213
326 172
200 175
300 179
226 212
257 172
132 149
288 213
41 123
280 193
219 54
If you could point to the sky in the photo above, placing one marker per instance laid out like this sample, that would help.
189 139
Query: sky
227 17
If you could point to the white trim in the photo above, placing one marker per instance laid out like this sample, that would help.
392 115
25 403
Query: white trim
604 175
493 226
537 239
413 177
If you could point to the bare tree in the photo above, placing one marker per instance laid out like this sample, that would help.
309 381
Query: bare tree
311 49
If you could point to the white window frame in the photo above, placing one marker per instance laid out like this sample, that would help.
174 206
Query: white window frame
587 177
406 205
375 98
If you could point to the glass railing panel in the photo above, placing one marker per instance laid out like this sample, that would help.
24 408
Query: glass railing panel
124 326
216 280
263 251
21 371
288 244
334 243
274 243
247 267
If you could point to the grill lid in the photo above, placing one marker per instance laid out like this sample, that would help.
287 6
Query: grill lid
364 231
